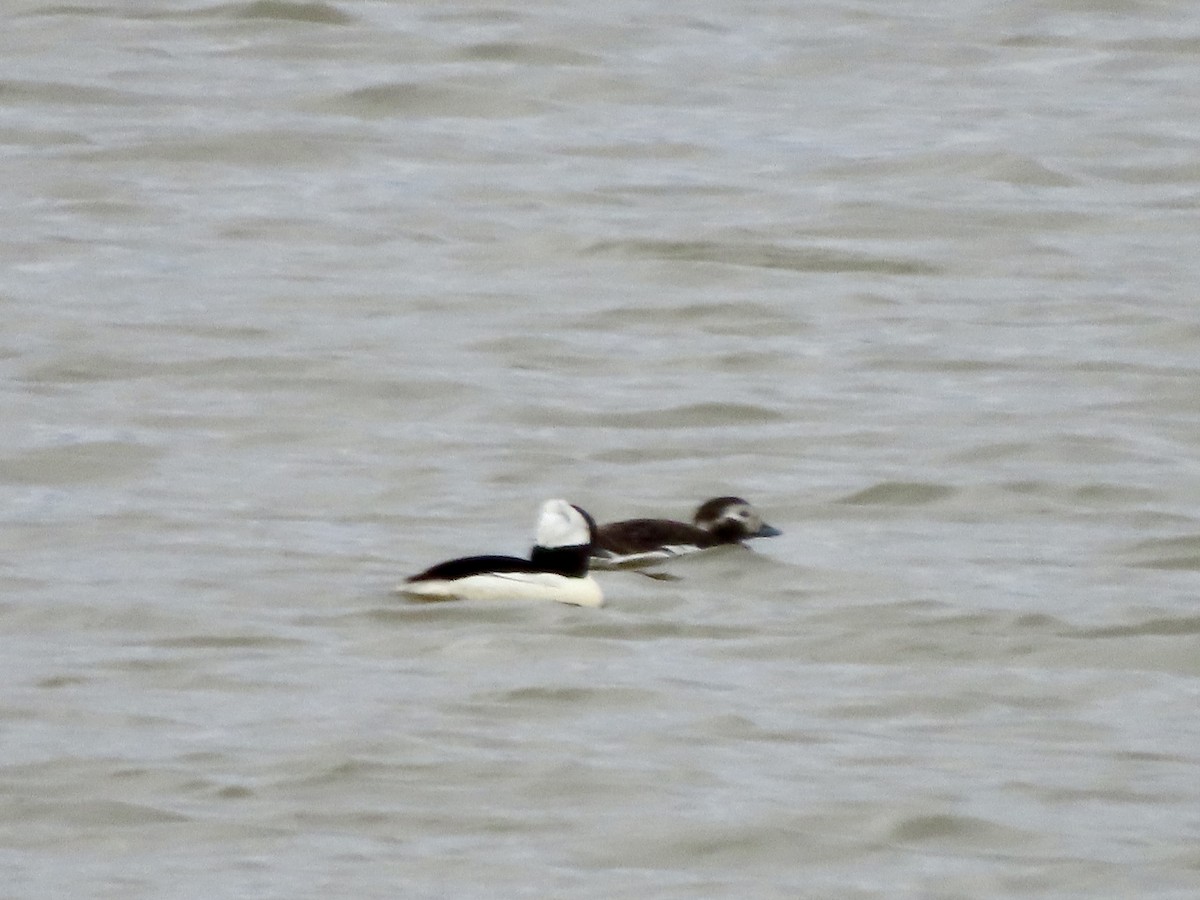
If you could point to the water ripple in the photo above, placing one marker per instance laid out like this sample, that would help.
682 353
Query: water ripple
692 415
528 53
315 13
81 463
417 100
900 493
761 255
1174 553
945 828
16 92
1179 626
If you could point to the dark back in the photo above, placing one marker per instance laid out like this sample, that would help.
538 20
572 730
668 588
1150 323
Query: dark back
474 565
644 535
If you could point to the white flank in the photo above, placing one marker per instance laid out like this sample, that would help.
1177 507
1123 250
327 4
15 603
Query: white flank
509 586
561 525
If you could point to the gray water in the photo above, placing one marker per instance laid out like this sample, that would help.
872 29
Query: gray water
299 298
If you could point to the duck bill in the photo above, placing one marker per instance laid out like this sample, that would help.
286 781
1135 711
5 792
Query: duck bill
767 531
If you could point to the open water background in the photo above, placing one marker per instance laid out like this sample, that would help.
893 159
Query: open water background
298 298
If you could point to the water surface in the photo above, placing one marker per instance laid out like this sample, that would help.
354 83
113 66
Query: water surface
299 298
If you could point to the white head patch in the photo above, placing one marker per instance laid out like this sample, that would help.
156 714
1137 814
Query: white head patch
561 525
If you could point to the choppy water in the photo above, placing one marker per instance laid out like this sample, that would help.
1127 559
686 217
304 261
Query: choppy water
299 298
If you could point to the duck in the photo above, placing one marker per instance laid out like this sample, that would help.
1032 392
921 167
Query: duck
557 568
637 542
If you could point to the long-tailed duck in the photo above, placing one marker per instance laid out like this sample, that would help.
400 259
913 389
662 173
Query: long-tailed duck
638 542
557 568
